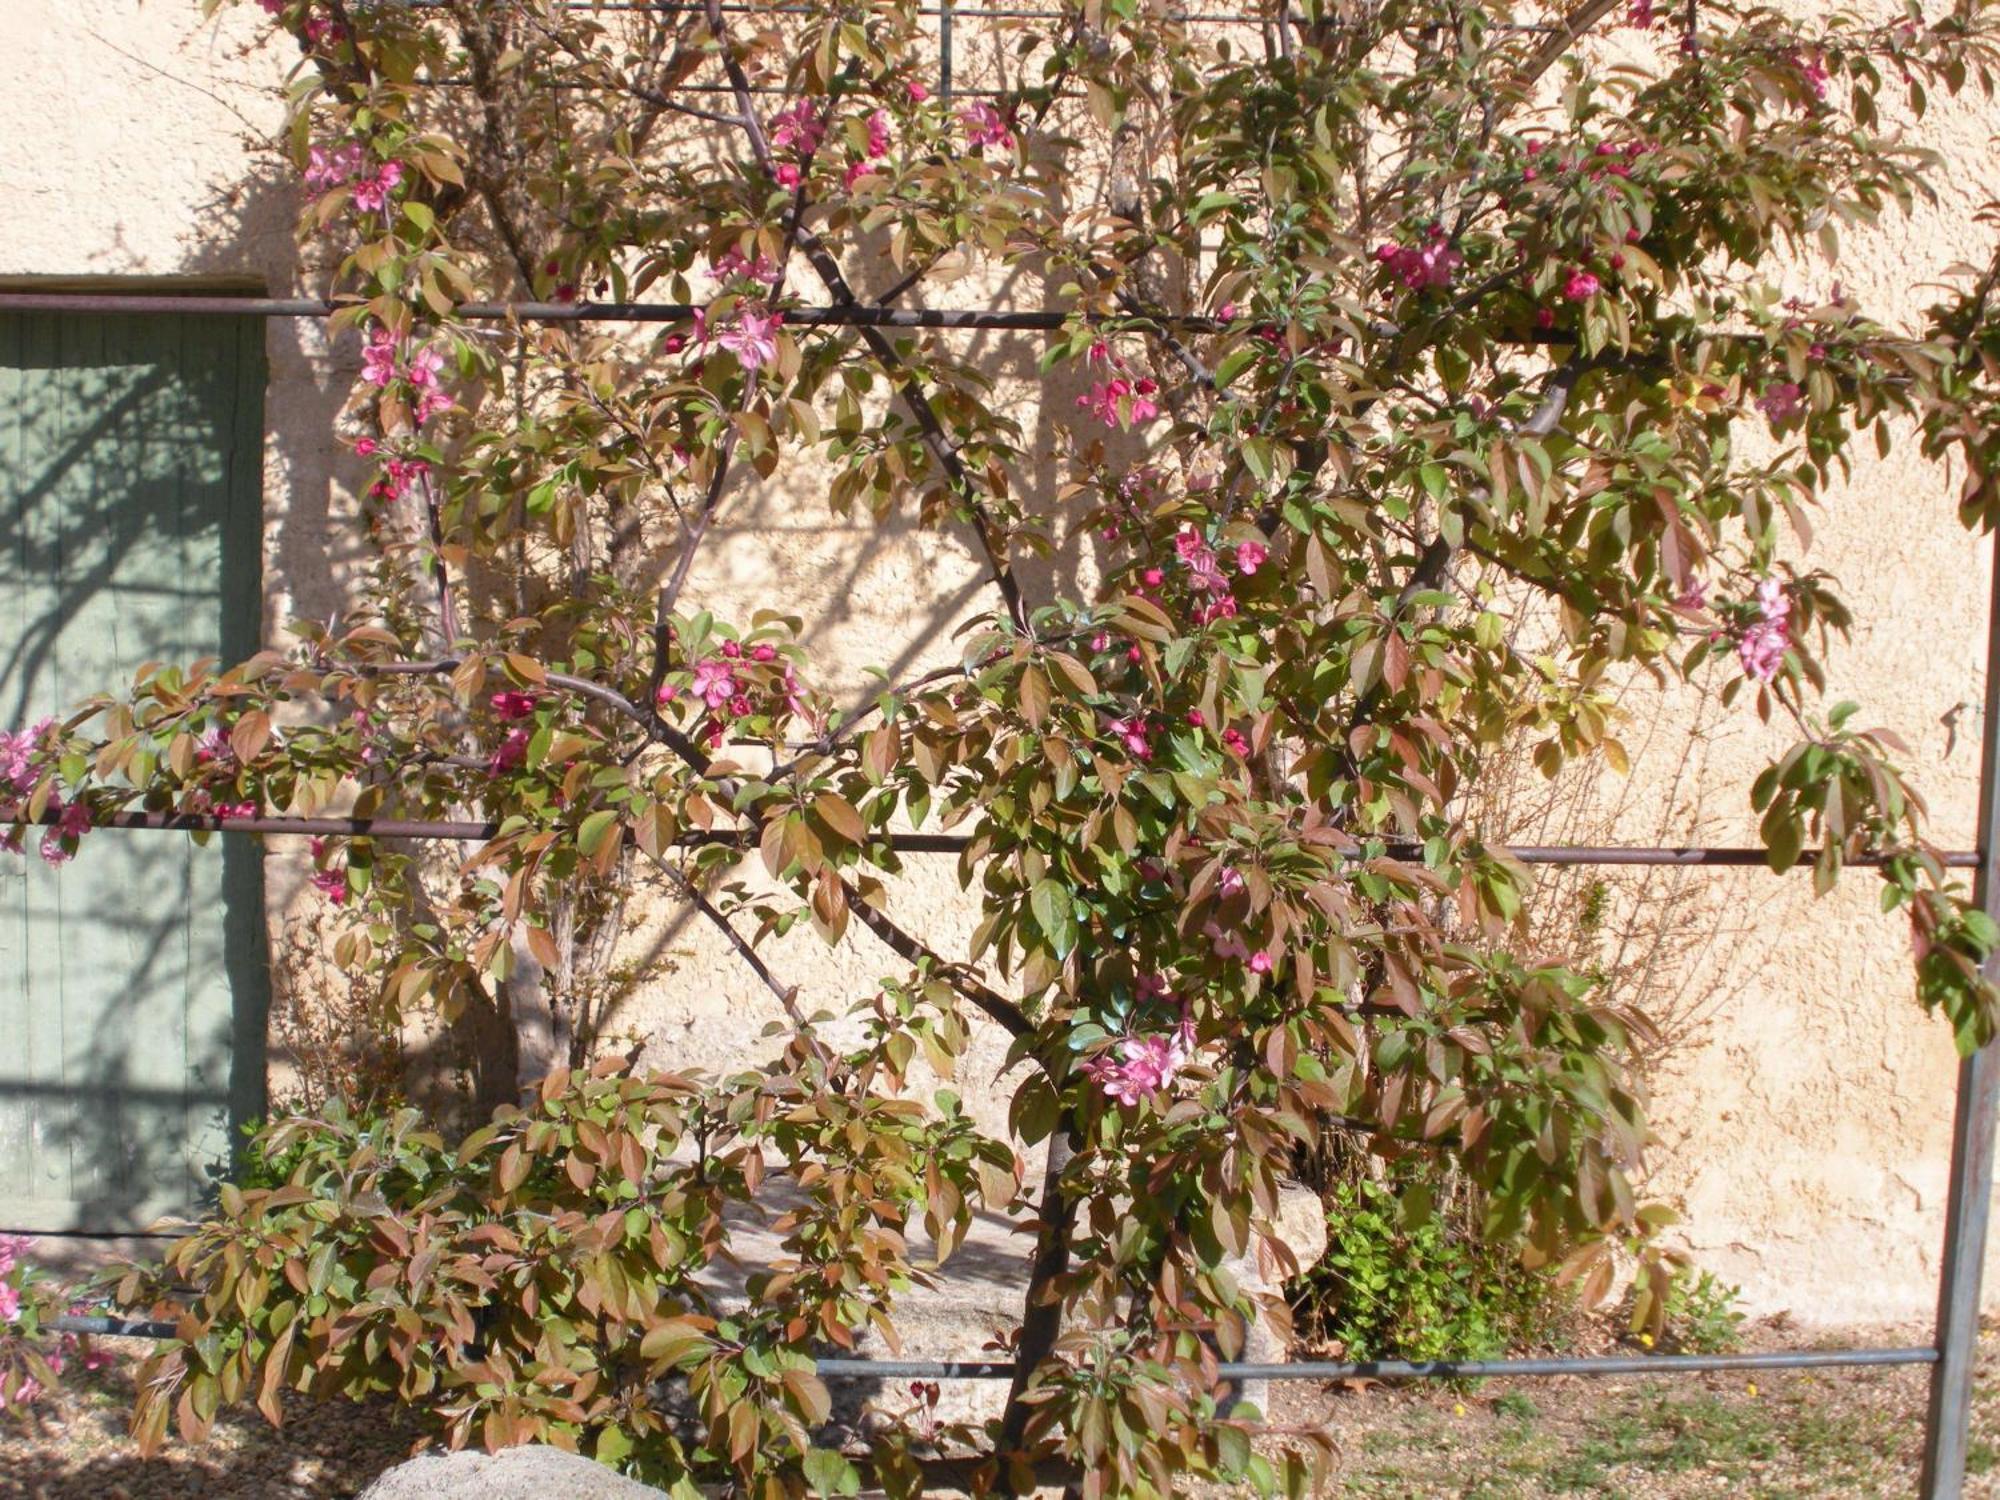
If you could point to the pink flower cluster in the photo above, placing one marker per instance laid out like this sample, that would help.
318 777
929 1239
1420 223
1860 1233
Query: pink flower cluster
733 262
797 128
1205 575
332 881
397 475
878 147
985 126
511 706
1119 402
726 686
1132 732
752 337
20 775
1142 1066
1781 401
384 361
1761 647
327 170
1422 267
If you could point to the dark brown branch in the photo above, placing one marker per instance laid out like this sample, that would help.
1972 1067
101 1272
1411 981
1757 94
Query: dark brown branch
787 994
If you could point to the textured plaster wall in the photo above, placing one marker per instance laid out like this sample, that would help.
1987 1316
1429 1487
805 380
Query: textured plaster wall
1805 1112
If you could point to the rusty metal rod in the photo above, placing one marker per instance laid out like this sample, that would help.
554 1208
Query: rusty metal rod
1305 1369
583 312
1743 857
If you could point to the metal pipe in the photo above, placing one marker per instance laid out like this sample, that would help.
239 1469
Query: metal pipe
1305 1369
1608 855
1948 1424
1036 320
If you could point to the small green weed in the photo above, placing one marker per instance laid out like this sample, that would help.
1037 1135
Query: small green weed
1702 1316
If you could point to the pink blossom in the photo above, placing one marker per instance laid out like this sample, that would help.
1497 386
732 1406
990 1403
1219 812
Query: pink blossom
752 338
1227 944
1260 962
1581 286
1226 313
1234 742
330 169
424 367
878 135
59 843
1250 556
1813 71
1641 15
1143 1066
797 127
1421 267
1761 647
365 447
1780 402
1143 407
13 1250
715 682
787 174
764 651
984 125
1102 399
918 92
331 884
1693 595
512 752
1133 732
511 705
1196 717
371 194
1199 559
1229 883
732 262
378 360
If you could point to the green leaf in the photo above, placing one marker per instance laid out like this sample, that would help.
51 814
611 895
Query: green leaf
830 1474
1054 914
590 836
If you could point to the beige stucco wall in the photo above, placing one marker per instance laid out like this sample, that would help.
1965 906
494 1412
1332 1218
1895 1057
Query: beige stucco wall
1806 1113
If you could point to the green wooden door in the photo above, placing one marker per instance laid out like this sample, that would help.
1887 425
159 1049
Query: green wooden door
133 980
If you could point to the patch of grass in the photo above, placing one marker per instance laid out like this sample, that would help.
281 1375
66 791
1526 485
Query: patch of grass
1516 1405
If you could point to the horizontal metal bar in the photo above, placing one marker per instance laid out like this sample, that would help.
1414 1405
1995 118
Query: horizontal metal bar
1371 1369
1609 855
1220 18
1040 320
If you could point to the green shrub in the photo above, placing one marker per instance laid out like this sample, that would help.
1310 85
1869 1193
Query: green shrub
1402 1280
542 1280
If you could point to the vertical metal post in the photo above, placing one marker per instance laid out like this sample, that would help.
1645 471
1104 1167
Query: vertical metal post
1966 1208
944 50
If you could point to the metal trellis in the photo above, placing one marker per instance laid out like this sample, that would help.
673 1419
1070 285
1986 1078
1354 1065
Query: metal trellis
1952 1355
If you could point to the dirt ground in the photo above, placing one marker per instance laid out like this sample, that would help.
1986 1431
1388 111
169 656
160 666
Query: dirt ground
1780 1434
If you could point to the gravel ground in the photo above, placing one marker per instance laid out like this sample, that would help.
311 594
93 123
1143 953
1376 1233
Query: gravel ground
1783 1434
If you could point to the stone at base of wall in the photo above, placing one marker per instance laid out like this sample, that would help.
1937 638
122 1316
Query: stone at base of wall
512 1474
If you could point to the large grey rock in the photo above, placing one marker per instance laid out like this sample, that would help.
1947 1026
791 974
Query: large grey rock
511 1474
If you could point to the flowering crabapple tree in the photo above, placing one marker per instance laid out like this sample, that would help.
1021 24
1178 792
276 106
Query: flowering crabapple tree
1401 329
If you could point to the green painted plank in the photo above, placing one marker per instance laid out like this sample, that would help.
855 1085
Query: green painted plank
137 445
